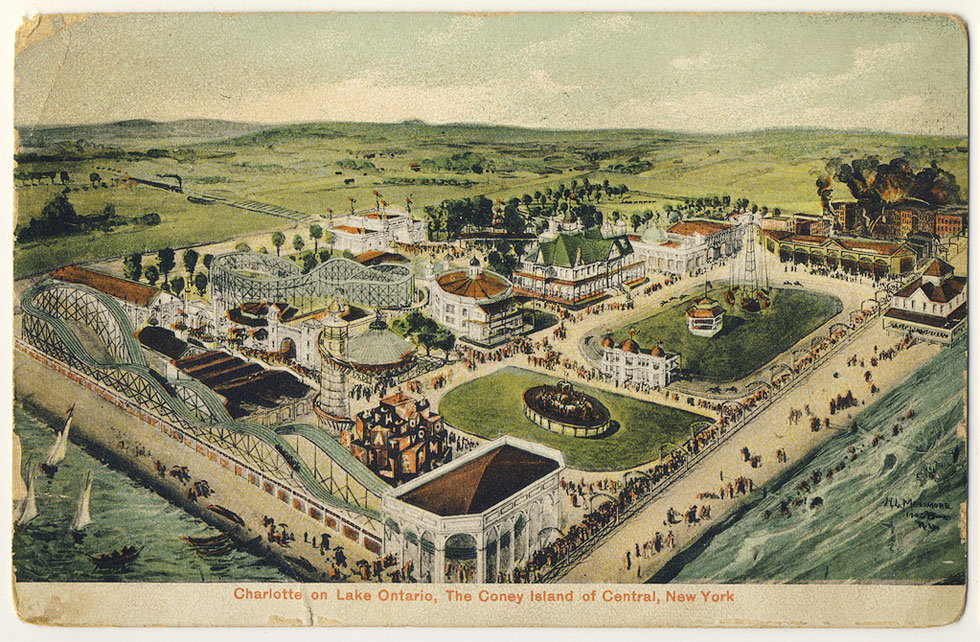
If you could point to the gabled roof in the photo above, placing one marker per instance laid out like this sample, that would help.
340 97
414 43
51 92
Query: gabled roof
942 293
352 230
938 267
481 483
580 248
373 257
130 291
161 340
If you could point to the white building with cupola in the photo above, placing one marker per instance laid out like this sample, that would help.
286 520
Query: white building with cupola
630 364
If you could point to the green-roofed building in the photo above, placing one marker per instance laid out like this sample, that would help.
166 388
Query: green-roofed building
575 268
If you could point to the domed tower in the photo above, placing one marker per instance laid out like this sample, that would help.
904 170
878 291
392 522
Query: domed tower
333 381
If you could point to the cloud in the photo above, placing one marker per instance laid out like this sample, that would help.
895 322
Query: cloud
840 100
370 98
704 61
590 30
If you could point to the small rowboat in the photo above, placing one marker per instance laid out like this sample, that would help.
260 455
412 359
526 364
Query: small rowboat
116 559
214 540
227 514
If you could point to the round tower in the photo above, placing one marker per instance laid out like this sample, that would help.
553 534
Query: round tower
333 381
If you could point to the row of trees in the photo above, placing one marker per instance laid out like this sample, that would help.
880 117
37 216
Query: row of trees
316 233
134 270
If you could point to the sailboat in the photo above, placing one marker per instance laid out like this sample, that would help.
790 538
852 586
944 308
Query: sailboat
28 507
57 450
82 518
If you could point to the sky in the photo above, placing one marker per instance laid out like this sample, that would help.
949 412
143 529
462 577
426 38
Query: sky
698 73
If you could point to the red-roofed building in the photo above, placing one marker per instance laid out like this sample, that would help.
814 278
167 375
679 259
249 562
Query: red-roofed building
477 517
932 307
864 256
140 302
476 304
689 246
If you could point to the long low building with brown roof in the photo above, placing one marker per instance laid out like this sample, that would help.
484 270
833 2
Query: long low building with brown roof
478 516
140 302
864 256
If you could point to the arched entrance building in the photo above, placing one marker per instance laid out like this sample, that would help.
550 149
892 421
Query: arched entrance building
863 256
477 517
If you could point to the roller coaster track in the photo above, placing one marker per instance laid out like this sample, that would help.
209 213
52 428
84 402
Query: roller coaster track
189 404
251 276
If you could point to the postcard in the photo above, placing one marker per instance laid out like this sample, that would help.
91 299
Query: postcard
541 319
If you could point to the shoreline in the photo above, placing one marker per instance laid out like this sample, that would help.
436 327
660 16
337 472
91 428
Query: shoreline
97 425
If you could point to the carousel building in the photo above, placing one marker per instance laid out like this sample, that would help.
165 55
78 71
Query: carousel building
476 304
479 516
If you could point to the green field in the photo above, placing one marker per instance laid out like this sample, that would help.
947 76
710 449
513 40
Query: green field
746 342
307 168
493 405
182 223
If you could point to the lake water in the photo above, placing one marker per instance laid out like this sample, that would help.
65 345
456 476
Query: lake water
867 528
124 513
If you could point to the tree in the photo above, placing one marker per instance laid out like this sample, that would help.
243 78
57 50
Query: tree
133 267
242 246
201 282
207 261
278 238
635 220
324 255
190 260
445 341
427 340
298 242
177 285
309 262
65 178
167 261
59 209
316 233
95 179
152 274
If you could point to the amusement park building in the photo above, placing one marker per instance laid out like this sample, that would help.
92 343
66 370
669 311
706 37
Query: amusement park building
276 328
932 307
628 363
853 255
476 304
688 246
398 439
375 230
478 516
141 303
574 268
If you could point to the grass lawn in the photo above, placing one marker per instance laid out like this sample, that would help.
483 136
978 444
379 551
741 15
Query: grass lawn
492 406
746 342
